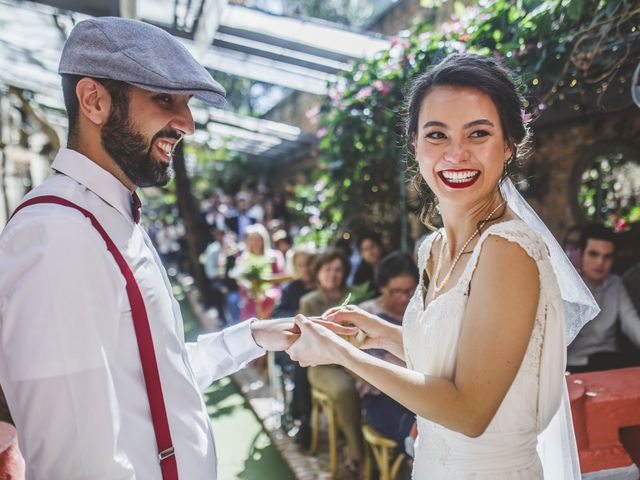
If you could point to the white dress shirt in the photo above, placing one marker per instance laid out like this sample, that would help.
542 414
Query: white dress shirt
69 362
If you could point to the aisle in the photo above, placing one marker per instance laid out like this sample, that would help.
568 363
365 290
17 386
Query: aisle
244 449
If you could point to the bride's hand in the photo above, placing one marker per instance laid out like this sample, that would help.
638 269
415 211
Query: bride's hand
317 344
373 327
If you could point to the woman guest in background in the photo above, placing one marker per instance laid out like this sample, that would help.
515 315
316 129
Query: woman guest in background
370 250
397 277
258 258
485 342
331 269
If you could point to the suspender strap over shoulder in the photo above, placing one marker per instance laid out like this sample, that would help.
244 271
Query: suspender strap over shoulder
166 455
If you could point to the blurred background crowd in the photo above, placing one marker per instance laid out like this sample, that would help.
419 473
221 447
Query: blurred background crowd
255 269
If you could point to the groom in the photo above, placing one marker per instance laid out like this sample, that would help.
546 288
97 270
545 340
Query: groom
92 356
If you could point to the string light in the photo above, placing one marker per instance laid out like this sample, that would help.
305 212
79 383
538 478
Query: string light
374 189
346 235
535 81
573 83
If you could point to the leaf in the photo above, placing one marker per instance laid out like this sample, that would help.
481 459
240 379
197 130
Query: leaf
574 9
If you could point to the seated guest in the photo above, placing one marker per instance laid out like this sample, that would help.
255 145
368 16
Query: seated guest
331 269
303 283
597 347
288 306
370 249
397 277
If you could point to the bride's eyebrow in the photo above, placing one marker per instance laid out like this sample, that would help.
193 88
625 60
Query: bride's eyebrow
474 123
435 123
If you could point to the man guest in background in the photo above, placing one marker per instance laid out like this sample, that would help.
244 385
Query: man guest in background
597 346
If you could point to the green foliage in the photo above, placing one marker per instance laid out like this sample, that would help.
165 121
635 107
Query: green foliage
568 53
607 191
218 168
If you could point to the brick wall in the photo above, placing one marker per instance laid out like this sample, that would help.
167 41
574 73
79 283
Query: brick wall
562 150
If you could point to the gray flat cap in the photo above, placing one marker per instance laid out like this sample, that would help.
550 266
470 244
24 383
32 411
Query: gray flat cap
139 54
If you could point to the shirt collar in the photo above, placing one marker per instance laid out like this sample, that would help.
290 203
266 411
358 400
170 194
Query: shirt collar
88 173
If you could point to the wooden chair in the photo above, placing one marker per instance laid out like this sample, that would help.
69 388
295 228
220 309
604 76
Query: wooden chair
383 449
322 403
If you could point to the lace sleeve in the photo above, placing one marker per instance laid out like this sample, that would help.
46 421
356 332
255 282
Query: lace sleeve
515 231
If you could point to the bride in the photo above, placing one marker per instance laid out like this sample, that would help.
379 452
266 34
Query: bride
484 336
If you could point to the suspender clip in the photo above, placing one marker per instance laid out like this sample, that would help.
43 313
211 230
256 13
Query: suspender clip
169 452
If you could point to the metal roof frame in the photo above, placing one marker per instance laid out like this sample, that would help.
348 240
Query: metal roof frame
34 63
294 53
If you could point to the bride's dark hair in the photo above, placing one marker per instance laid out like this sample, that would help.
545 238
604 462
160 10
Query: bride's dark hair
468 70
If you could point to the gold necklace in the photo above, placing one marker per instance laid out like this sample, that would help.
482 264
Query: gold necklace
436 276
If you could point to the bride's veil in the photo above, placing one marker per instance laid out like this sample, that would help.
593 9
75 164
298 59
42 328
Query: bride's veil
556 439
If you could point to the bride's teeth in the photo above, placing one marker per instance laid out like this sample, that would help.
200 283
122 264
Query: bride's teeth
459 177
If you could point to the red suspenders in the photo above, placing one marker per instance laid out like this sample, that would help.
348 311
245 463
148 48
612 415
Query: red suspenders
166 453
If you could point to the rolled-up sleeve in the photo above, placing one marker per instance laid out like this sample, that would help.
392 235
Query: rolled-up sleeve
59 306
215 355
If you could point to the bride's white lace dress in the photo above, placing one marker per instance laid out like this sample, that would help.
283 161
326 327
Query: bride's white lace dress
507 449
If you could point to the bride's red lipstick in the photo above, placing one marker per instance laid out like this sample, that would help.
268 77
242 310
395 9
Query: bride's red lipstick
458 184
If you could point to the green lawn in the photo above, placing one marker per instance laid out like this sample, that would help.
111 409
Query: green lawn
244 449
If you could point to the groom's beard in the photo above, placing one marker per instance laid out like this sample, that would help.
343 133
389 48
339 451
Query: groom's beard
131 151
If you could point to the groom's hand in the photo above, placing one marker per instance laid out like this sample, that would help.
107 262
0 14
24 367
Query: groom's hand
274 335
278 335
